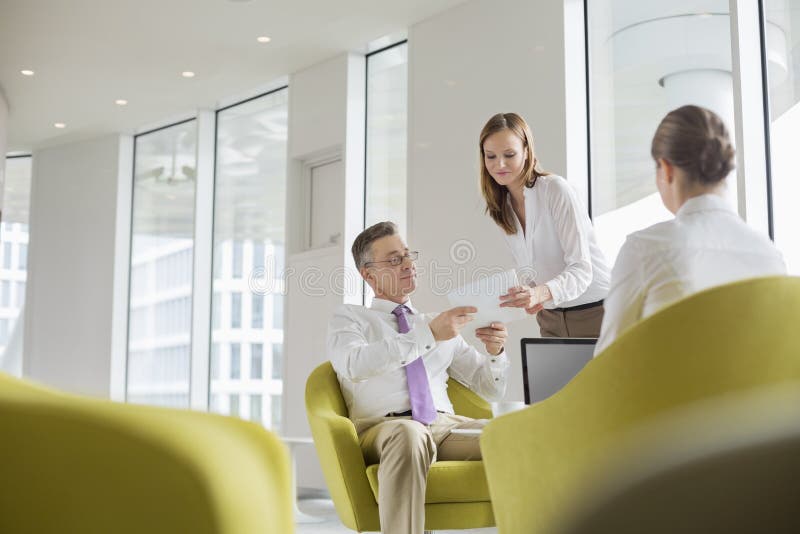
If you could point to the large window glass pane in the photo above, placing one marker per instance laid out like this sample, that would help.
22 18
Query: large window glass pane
236 310
257 361
249 236
387 110
783 53
257 311
236 361
647 58
14 237
277 361
162 246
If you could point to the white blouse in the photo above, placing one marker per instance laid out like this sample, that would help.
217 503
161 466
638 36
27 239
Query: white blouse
558 248
707 244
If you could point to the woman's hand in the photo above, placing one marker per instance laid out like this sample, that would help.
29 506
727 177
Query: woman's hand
493 336
532 299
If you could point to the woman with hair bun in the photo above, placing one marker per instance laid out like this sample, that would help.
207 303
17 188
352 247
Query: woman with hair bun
707 244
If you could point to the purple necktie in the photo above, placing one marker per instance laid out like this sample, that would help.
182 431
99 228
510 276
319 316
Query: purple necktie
419 390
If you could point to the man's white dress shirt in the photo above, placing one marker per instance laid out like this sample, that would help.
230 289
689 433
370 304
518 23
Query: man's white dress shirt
707 244
369 355
558 248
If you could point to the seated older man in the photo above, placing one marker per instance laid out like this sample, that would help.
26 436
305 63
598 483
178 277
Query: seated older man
393 363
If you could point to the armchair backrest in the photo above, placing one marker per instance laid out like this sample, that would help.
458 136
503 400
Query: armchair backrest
76 465
728 339
724 466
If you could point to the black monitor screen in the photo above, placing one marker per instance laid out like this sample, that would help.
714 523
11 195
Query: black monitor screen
548 363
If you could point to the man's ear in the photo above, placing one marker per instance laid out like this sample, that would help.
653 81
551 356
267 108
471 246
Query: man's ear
364 274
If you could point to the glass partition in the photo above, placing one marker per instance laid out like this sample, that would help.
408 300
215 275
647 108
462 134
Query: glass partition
249 243
162 246
387 111
782 42
14 266
645 59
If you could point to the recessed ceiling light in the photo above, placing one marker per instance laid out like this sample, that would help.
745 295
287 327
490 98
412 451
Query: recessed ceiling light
187 74
263 39
121 102
60 125
27 72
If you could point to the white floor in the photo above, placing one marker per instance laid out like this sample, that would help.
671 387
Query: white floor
323 508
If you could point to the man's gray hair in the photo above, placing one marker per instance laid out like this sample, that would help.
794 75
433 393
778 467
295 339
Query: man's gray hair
362 246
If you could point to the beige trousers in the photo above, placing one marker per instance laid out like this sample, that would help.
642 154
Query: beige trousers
405 450
572 323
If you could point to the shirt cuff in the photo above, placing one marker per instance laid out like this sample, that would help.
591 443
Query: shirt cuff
423 340
555 292
498 364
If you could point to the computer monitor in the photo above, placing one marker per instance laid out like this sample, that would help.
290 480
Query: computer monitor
548 363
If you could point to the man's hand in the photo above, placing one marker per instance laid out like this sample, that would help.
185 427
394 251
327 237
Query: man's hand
493 337
530 298
448 324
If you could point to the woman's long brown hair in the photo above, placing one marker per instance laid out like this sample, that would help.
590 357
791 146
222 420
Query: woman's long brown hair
494 194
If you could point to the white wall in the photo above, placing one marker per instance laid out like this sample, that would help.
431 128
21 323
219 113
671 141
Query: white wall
326 120
466 64
70 289
3 142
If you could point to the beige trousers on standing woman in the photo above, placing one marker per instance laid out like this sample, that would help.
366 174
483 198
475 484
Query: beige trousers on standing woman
570 323
405 450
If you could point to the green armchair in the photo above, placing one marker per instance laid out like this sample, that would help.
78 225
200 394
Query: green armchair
723 466
726 340
74 465
457 496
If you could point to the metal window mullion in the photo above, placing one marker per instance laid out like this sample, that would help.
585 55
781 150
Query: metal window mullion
202 262
751 114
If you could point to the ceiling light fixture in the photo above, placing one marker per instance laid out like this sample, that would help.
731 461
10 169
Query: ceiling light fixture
59 125
121 102
26 72
187 74
263 39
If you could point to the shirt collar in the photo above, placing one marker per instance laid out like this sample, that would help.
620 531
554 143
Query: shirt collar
388 306
707 202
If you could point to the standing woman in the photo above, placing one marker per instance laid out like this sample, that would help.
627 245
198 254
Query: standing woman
564 275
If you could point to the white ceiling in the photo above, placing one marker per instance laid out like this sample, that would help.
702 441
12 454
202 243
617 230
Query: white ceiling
88 53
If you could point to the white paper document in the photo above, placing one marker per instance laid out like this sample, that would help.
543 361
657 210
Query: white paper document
484 294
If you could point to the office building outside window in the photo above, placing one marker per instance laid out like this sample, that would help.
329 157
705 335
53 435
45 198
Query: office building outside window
256 402
162 247
236 360
249 240
257 311
14 237
257 361
276 413
277 361
236 310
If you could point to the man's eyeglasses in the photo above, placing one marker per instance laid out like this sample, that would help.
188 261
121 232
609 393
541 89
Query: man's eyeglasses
394 261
